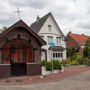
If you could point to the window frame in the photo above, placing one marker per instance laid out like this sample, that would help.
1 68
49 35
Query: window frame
57 55
49 27
50 41
58 40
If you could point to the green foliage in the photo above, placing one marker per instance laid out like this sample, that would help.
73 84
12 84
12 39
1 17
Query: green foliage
85 52
71 52
56 65
44 63
65 63
49 66
68 52
81 61
88 48
79 58
74 62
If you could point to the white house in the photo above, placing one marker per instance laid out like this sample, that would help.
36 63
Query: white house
48 29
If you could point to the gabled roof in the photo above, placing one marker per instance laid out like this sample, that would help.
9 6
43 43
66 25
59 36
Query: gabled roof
36 26
79 38
21 24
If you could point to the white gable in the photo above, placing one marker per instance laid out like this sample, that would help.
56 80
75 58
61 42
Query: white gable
54 27
55 32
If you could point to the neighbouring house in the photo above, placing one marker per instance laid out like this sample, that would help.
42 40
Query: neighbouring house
76 41
47 28
20 51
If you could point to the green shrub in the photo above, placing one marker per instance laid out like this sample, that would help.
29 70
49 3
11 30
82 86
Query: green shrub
44 63
81 61
74 62
56 65
48 66
65 63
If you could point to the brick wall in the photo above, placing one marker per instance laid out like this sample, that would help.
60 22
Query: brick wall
33 69
4 71
71 43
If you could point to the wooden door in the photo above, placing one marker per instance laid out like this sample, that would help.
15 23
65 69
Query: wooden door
18 64
21 54
18 54
14 55
6 55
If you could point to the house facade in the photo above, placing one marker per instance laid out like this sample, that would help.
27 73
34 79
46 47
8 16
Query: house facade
76 41
49 31
20 51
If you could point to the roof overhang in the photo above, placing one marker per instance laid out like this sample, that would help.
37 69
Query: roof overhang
56 48
21 24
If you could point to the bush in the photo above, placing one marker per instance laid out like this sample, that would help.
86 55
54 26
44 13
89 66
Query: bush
56 65
48 66
65 63
75 62
81 61
44 63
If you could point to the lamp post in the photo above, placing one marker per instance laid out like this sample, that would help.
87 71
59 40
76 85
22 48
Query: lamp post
51 59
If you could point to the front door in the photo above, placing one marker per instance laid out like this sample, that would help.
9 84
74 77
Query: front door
18 57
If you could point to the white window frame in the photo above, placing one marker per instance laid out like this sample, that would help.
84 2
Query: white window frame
50 39
49 27
58 40
57 55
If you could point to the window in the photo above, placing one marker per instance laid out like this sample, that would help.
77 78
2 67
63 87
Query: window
49 27
50 39
18 36
58 39
57 55
53 55
61 55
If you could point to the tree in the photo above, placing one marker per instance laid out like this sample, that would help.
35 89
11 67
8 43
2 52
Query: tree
3 29
86 51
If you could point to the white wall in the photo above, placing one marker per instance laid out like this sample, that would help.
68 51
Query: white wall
55 32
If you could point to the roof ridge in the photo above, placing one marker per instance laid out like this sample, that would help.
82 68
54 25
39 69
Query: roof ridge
36 26
79 34
42 17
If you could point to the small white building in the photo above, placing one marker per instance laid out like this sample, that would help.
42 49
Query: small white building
48 29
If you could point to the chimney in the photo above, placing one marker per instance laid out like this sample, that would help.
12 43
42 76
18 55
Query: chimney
38 18
82 34
70 32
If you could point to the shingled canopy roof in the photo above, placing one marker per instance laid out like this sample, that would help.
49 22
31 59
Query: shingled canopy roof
21 24
56 48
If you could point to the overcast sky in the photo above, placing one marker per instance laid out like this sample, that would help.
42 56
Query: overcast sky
71 15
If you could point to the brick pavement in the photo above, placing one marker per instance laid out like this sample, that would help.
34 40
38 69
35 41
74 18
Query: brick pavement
69 72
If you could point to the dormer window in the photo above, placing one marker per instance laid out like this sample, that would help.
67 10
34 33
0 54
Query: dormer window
49 27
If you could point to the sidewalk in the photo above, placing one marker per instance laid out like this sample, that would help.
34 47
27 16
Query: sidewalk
69 72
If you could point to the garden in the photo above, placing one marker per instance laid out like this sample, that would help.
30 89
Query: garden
73 58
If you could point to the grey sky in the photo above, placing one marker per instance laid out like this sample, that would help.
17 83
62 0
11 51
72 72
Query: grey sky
71 15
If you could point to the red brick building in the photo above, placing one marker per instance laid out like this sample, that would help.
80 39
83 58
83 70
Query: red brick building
20 51
75 41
